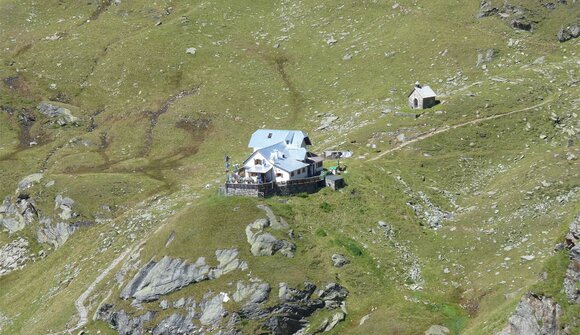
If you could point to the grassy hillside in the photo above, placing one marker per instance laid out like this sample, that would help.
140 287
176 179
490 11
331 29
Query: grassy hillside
145 159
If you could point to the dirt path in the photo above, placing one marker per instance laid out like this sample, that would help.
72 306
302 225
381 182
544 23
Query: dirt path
80 301
448 128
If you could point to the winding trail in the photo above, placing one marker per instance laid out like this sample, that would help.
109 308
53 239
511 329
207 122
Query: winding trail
448 128
80 302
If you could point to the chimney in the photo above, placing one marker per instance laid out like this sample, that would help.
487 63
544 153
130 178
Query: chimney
417 84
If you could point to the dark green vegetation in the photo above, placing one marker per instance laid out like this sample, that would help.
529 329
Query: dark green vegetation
155 123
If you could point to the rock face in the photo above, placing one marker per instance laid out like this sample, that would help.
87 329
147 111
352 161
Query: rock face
56 235
168 275
265 244
212 310
13 256
289 316
534 315
15 214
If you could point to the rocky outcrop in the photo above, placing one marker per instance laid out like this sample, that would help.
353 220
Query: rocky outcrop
175 324
534 315
289 316
265 244
255 293
65 205
213 310
13 256
61 115
56 235
168 275
29 181
122 322
15 214
568 33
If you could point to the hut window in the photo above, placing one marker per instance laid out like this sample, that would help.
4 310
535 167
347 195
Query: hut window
257 162
269 135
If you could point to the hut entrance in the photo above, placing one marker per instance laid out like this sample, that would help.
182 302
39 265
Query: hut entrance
415 103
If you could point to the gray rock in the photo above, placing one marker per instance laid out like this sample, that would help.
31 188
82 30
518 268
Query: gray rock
437 330
568 33
486 9
333 295
13 256
336 318
257 292
228 262
168 275
29 180
534 315
16 214
179 303
265 244
56 235
65 204
191 51
286 293
213 311
62 115
485 56
122 322
338 260
521 25
164 304
175 324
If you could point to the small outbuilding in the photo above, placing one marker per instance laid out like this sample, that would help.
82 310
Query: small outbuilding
422 97
334 181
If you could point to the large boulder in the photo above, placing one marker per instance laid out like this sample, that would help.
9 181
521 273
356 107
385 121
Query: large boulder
568 33
265 244
62 115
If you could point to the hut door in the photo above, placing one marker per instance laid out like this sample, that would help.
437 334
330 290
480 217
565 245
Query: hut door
415 103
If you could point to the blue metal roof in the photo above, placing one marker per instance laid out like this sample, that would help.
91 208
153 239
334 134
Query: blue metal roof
262 138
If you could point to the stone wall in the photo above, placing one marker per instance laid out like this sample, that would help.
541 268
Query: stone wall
266 190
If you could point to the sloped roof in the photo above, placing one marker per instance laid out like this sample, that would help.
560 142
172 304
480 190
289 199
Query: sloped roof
424 92
283 157
262 138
